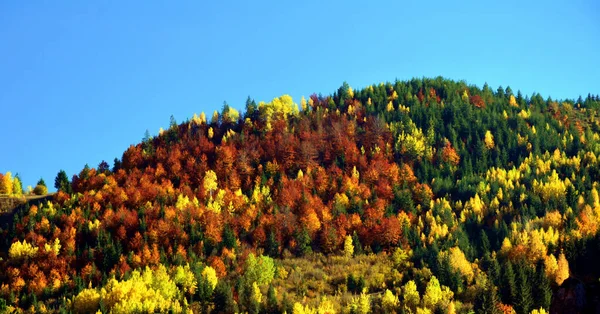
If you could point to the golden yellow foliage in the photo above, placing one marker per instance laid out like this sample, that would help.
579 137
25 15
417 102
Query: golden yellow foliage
20 250
185 278
300 309
215 117
489 140
513 101
459 262
6 184
551 266
87 301
348 247
283 105
525 114
198 120
562 273
256 294
389 301
210 182
303 104
389 107
506 246
54 247
465 96
94 225
536 247
554 187
360 304
148 291
182 202
433 293
231 115
210 275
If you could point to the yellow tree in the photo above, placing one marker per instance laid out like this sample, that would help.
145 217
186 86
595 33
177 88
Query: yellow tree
215 117
389 302
210 275
303 104
433 293
411 296
551 266
6 184
17 187
537 248
210 182
512 101
459 262
489 140
348 247
562 273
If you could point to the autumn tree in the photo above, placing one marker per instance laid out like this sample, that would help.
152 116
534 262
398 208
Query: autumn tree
40 188
6 185
433 293
348 247
17 186
210 182
562 273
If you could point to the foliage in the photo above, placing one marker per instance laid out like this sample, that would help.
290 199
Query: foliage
426 195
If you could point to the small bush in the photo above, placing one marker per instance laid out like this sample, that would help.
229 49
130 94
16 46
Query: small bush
40 190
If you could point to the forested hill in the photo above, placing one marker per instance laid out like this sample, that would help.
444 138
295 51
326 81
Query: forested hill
421 196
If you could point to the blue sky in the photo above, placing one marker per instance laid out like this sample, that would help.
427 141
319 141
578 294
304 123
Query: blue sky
83 80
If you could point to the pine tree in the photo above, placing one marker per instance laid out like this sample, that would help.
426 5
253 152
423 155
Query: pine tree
272 246
272 304
524 300
508 288
485 243
486 300
358 249
494 272
61 182
223 299
542 292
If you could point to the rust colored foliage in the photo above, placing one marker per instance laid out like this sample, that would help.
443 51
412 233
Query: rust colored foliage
477 101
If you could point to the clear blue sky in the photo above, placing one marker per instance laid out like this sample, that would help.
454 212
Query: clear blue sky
82 80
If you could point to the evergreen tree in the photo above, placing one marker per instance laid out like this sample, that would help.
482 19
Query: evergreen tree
62 183
358 249
484 243
223 299
229 238
524 302
486 300
272 304
272 246
508 288
494 272
542 292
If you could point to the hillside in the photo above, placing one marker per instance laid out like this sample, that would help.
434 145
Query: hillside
424 196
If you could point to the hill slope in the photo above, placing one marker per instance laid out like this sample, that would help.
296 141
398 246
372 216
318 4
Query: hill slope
457 197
